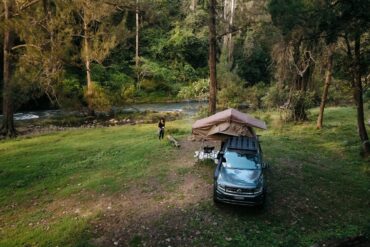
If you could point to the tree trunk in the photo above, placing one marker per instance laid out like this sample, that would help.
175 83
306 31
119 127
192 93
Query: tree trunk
89 92
301 82
357 96
7 128
228 45
212 58
137 44
328 77
193 5
230 37
225 19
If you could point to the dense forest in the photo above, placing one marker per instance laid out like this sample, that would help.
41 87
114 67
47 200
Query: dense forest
91 55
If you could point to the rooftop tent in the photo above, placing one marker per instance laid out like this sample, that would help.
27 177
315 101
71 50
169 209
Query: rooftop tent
225 124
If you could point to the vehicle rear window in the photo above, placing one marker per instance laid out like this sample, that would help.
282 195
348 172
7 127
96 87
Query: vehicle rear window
241 160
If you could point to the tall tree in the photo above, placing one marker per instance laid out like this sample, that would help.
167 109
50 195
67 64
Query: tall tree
99 36
353 22
7 128
297 21
87 60
328 78
358 94
137 43
212 57
229 11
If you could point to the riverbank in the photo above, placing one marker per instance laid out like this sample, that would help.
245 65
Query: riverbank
186 107
36 126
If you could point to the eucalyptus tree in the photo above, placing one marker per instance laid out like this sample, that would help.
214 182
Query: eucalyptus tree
346 24
295 54
352 27
99 34
238 17
7 127
212 57
328 79
15 46
137 28
47 46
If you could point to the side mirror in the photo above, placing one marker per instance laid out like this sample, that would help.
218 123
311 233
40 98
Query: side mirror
219 155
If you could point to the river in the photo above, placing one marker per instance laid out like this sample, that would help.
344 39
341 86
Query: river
188 108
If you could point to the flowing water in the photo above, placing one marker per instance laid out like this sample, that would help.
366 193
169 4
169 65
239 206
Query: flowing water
188 108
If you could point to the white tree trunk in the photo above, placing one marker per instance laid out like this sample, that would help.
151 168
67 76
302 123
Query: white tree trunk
193 5
231 44
89 92
87 59
137 59
229 10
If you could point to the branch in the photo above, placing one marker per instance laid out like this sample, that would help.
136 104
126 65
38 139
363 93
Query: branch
306 62
119 6
23 7
28 4
231 32
349 50
26 45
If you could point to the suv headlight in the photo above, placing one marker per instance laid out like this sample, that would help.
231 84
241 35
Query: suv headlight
220 187
259 188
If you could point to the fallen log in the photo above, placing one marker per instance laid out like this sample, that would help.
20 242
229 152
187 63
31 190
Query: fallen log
173 141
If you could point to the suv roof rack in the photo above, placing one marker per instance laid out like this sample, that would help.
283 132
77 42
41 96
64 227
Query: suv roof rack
242 143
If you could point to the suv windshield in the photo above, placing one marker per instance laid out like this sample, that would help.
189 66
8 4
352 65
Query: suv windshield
241 160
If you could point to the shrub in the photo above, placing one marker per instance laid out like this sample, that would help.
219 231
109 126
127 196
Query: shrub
198 90
71 93
148 85
99 99
255 95
128 93
300 101
339 93
233 95
275 97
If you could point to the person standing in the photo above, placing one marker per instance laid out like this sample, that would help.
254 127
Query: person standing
161 126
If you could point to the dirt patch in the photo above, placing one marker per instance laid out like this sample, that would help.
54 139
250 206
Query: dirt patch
153 212
145 218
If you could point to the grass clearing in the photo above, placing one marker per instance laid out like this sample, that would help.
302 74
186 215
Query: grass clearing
95 187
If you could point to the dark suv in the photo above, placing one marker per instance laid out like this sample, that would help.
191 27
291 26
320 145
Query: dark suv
239 175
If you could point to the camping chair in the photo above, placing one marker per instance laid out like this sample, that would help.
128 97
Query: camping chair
208 152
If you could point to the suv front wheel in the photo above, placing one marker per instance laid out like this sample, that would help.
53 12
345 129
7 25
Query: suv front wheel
215 200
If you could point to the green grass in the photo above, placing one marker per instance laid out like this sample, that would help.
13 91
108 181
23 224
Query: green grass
60 165
319 187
